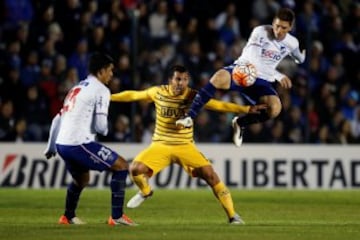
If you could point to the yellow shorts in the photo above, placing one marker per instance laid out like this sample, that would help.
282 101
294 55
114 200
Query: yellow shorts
158 156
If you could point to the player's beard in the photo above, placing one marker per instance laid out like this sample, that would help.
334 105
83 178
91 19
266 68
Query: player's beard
178 90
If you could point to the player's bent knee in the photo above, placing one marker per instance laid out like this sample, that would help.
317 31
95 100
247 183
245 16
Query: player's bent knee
209 175
82 180
221 79
274 109
137 168
120 164
273 113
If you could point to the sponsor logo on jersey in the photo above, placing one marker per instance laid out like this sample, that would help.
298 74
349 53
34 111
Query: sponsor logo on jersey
270 54
170 112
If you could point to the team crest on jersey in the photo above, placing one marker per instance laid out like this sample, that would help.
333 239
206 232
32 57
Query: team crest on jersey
283 50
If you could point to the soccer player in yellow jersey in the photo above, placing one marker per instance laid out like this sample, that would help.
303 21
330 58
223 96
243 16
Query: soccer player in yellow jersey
172 144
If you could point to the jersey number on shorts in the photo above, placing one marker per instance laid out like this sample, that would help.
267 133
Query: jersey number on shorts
104 153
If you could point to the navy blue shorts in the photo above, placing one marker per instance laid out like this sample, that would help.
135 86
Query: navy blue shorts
85 157
252 94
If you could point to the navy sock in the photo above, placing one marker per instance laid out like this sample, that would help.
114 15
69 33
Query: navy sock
118 184
201 98
72 199
253 118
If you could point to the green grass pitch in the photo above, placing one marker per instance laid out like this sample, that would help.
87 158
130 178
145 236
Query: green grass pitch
185 214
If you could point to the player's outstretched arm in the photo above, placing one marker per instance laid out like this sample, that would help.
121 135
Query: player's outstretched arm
298 56
50 150
129 96
221 106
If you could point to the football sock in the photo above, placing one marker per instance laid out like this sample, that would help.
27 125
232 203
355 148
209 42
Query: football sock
72 199
142 183
253 118
117 185
201 98
224 196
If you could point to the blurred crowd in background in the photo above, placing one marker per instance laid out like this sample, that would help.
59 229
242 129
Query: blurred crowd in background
45 46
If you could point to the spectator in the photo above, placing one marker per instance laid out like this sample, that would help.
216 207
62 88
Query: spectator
79 58
31 71
20 11
345 135
19 133
355 124
13 90
39 28
223 17
157 23
7 120
35 110
120 131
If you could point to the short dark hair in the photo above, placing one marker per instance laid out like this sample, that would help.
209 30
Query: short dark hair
286 14
176 68
99 61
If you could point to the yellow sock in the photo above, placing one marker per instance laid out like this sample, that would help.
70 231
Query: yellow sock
142 183
224 196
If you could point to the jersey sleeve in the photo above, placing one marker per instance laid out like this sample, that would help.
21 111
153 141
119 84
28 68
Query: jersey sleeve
255 36
132 95
295 51
297 56
221 106
151 93
53 133
278 76
101 113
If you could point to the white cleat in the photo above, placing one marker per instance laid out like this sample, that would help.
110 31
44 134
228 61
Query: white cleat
236 220
137 200
238 132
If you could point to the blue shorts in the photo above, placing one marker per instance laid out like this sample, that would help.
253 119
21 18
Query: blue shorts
253 93
85 157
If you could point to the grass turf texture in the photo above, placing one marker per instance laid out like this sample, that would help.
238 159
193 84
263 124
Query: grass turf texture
185 214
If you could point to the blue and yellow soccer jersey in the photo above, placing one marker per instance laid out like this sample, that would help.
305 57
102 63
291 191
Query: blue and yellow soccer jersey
170 108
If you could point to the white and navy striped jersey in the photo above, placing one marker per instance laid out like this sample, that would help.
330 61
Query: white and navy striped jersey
265 52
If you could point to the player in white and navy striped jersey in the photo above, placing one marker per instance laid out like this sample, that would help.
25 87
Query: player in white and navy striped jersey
267 46
72 135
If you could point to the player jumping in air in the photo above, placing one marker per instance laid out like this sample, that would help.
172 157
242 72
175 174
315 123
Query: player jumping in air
171 144
266 47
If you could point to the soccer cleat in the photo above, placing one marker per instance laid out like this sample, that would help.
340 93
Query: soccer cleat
124 220
236 219
138 199
186 122
238 132
75 220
